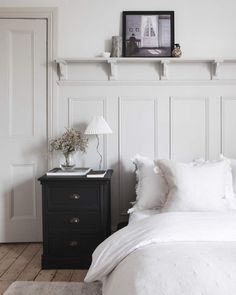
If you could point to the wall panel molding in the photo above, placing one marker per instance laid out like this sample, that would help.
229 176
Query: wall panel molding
126 104
228 125
189 136
161 118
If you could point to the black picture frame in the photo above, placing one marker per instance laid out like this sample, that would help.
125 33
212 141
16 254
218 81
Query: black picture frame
155 34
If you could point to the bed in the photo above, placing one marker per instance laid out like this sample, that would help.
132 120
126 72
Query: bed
182 248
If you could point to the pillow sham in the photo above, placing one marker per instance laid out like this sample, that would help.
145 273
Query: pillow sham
233 166
151 188
233 169
229 191
195 187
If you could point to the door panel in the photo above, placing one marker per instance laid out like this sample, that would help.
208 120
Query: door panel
23 127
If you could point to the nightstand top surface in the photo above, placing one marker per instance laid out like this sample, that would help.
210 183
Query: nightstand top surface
80 178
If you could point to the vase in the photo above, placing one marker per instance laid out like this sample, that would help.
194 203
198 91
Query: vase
116 47
176 52
68 163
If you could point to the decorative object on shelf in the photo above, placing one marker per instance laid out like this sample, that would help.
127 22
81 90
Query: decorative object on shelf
106 54
148 33
177 52
116 46
71 141
98 126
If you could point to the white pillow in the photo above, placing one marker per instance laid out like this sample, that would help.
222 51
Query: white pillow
233 166
233 176
195 187
151 188
229 191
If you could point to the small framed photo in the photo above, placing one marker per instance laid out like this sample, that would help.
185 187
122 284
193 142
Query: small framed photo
148 33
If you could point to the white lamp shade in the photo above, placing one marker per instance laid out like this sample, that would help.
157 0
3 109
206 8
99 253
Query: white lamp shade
98 125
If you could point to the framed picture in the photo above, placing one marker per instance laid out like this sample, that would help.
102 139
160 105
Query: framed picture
148 33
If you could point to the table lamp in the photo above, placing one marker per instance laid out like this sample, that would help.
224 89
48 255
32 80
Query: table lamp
98 126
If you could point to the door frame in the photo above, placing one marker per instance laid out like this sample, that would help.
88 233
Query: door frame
50 15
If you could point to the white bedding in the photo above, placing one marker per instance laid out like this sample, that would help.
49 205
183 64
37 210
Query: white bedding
183 253
138 215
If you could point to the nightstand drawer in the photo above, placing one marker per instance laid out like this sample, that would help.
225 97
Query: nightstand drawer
73 197
78 221
77 245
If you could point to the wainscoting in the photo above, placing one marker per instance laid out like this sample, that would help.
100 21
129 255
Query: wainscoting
190 114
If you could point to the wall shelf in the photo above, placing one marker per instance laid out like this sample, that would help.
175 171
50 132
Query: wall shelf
163 65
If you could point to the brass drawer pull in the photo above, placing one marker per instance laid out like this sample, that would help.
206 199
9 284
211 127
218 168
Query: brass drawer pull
73 243
74 220
74 197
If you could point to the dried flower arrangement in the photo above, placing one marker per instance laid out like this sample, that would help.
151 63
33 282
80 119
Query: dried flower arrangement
72 140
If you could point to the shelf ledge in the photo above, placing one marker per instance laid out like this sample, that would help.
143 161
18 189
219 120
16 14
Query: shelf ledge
164 63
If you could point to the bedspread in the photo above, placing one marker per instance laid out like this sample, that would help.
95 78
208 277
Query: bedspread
187 253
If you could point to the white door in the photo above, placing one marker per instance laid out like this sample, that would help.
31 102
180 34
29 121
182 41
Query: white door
23 127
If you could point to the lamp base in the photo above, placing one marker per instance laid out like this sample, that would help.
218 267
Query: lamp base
100 155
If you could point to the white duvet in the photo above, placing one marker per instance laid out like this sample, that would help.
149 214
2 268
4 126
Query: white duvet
183 253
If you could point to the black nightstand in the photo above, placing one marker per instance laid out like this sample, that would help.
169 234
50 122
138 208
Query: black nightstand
76 219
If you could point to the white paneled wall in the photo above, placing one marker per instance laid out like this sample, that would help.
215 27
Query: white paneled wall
163 120
137 133
85 28
228 113
189 127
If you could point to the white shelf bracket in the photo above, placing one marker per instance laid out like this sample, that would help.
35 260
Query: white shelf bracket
62 69
113 70
216 69
164 70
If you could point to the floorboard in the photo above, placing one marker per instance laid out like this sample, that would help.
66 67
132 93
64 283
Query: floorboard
10 257
78 275
63 275
46 275
32 269
4 249
22 262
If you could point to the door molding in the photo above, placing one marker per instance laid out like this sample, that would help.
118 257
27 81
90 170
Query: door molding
50 14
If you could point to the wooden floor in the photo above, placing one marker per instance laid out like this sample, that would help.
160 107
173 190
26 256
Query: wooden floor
22 262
